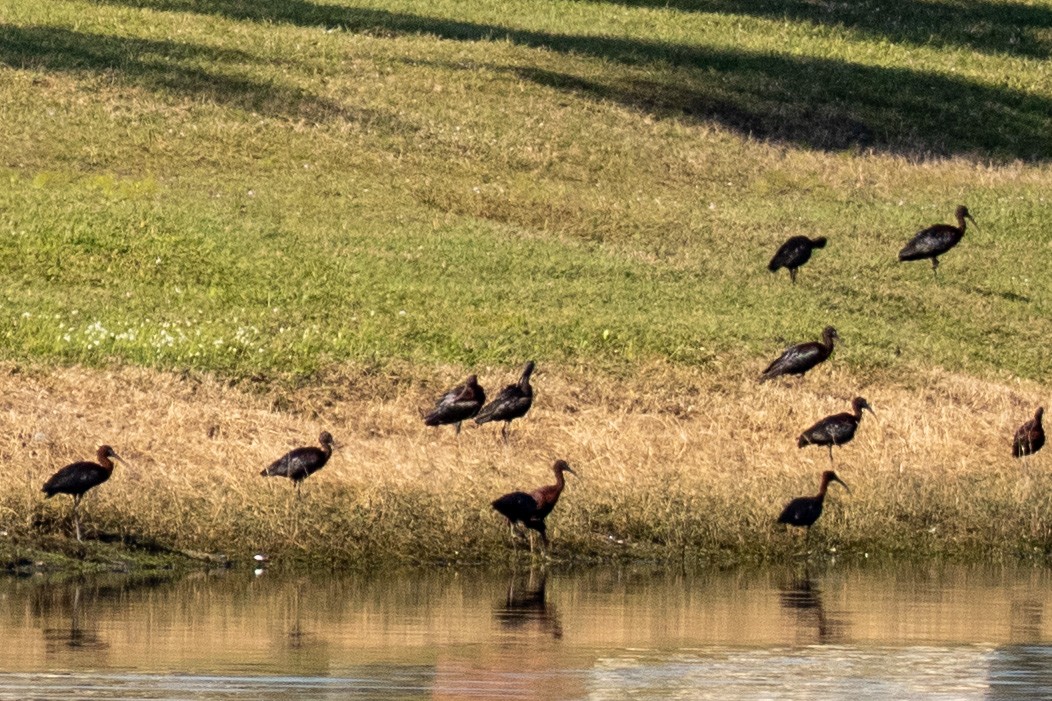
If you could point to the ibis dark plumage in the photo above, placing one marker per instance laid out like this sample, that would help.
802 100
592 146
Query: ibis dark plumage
798 359
77 478
936 240
458 404
837 429
529 509
804 511
793 253
301 463
511 403
1030 437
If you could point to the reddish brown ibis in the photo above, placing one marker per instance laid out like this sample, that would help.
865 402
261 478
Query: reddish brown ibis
837 429
458 404
804 511
529 509
798 359
1030 436
301 463
77 478
511 403
936 240
794 253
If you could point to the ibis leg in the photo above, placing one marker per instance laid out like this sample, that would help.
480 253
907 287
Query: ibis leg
504 432
830 454
458 428
935 266
792 275
76 515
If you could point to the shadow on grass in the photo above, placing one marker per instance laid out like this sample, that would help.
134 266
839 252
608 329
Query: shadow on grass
165 66
817 103
996 28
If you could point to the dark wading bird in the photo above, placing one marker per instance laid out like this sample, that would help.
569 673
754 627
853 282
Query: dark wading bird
804 511
530 509
301 463
936 240
798 359
794 253
79 477
837 429
458 404
1030 436
511 403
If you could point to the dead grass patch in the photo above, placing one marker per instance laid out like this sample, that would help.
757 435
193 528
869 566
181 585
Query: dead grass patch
673 465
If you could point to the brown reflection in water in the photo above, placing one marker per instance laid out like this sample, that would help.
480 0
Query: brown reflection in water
528 659
802 598
1025 619
526 606
295 644
59 641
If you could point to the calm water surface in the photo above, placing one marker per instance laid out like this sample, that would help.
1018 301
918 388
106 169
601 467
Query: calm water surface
862 633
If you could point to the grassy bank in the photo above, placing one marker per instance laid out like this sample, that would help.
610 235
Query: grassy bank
346 206
680 467
272 187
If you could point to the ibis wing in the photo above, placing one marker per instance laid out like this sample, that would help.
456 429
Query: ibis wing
510 403
832 430
930 242
75 479
802 511
516 506
297 464
458 404
1029 439
792 254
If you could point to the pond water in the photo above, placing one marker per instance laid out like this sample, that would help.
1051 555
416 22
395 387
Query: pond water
928 632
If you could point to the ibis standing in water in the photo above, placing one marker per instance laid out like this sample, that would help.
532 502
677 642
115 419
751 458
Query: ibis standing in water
458 404
301 463
804 511
837 429
511 403
798 359
1030 437
77 478
794 253
529 509
936 240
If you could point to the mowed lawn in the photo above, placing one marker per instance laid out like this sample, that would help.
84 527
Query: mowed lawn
272 187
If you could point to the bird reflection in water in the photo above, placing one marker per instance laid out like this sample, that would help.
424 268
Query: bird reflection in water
76 637
802 598
526 607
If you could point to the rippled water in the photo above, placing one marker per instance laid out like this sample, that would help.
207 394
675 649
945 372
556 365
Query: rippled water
869 633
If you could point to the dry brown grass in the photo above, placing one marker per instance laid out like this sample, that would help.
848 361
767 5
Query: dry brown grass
674 465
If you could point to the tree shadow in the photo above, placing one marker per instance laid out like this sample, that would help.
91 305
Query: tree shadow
787 100
993 28
165 66
817 103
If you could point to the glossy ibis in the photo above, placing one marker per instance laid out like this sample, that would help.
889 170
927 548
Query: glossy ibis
511 403
1030 436
77 478
794 253
804 511
301 463
837 429
936 240
458 404
798 359
530 509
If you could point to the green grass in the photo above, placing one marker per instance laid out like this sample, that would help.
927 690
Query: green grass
275 186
